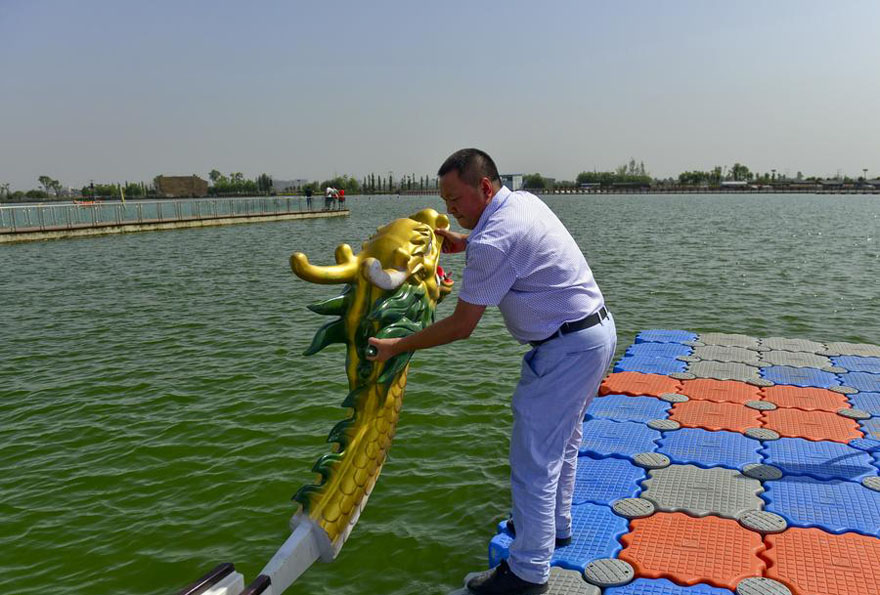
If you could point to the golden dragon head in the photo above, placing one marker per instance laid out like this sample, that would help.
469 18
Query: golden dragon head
392 287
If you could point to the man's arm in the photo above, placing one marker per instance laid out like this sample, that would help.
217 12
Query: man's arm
459 325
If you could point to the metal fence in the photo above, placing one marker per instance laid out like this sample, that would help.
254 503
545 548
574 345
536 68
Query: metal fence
56 217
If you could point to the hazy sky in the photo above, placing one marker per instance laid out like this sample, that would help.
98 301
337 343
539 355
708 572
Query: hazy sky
116 90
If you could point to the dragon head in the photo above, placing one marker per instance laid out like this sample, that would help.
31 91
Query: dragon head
392 287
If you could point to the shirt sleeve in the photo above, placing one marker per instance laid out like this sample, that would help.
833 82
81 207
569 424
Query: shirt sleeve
487 275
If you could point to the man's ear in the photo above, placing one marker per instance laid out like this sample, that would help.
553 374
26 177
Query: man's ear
486 188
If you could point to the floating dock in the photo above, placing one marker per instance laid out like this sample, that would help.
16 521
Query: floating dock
721 464
27 223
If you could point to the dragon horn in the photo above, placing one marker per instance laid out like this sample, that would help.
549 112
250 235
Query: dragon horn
339 273
383 278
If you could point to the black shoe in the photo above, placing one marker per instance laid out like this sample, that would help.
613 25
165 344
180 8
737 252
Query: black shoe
502 581
560 541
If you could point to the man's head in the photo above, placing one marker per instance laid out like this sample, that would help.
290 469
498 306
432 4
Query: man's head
468 181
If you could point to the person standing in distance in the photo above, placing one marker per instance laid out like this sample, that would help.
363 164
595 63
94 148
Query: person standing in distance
522 259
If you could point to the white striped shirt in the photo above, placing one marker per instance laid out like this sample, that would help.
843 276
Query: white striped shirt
521 258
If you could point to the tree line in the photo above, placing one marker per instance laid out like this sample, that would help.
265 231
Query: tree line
631 174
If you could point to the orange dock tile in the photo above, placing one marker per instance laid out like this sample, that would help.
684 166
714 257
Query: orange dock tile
812 425
715 416
809 399
635 384
813 562
689 550
720 391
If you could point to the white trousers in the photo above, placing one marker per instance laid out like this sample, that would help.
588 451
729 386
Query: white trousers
559 379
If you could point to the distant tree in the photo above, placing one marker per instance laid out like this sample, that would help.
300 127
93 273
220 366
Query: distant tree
4 189
56 187
740 172
36 194
264 183
47 183
236 177
133 189
534 182
215 175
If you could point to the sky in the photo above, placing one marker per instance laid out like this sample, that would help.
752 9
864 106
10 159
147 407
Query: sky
113 91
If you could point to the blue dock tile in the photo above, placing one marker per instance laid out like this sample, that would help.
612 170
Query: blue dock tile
667 350
710 449
834 506
866 444
871 427
624 408
605 438
863 381
803 377
602 481
869 402
662 586
821 460
855 363
595 534
649 365
665 336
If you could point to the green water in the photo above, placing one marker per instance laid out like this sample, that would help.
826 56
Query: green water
156 416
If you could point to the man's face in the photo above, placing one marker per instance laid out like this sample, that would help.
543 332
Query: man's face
463 201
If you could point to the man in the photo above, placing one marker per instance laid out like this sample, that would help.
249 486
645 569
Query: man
309 197
521 258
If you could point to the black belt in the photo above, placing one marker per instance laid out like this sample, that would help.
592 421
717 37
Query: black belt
578 325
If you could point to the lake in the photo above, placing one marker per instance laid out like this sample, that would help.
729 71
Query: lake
156 415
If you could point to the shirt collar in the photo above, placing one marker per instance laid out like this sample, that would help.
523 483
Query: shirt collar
494 203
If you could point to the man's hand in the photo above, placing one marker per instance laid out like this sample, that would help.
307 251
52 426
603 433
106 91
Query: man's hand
385 349
452 241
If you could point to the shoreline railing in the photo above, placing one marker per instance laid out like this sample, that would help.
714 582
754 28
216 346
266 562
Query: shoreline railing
69 216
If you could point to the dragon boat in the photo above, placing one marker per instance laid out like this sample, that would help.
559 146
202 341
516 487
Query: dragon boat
390 289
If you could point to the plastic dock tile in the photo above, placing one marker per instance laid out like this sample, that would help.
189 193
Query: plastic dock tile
816 563
649 365
602 481
812 425
800 376
720 391
724 370
863 381
871 427
720 353
661 586
665 336
831 505
700 492
667 350
715 416
689 550
710 449
595 534
860 349
624 408
822 460
603 438
869 402
783 344
794 359
855 363
808 399
728 340
633 383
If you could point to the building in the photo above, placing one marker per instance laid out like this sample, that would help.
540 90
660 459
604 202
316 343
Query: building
512 181
181 186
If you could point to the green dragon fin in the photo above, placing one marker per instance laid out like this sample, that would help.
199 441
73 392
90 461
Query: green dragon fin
332 332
